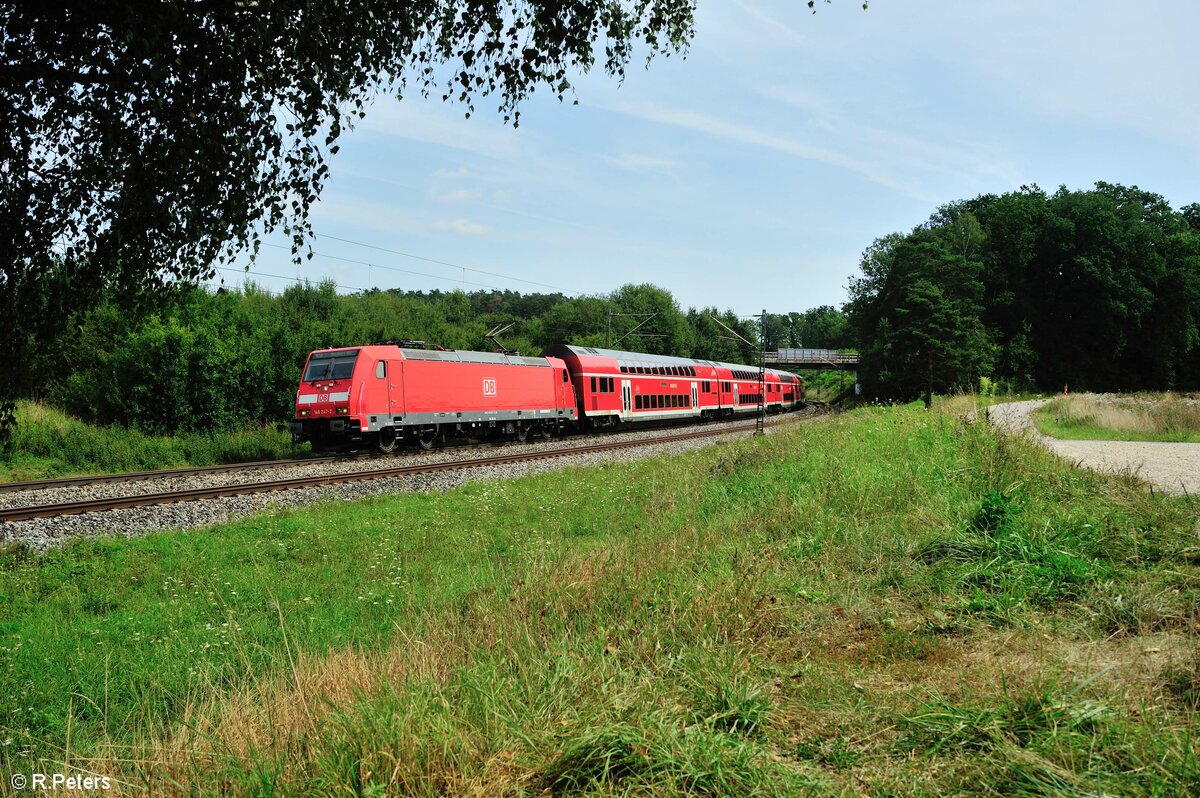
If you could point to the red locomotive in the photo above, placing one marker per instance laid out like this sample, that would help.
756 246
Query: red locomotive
380 396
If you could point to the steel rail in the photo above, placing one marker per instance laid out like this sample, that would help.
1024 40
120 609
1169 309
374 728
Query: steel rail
31 512
164 473
222 468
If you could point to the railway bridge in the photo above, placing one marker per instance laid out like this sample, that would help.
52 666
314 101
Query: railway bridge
829 359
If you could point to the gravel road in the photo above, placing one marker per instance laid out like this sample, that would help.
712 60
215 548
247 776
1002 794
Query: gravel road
1171 467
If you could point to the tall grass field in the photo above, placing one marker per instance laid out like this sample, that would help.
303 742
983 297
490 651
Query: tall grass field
886 602
1129 417
50 443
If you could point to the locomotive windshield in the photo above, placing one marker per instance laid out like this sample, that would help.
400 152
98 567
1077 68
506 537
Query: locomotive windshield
331 365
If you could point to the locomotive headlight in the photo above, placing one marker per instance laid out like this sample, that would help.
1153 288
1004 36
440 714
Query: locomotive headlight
304 412
343 411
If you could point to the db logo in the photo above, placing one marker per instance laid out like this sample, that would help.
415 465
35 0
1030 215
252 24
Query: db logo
489 387
322 397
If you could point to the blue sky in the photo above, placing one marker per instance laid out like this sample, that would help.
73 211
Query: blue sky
753 172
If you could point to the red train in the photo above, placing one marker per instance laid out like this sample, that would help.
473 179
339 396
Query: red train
382 396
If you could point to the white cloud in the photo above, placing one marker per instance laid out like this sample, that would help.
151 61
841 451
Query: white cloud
462 227
915 149
336 211
421 120
454 195
641 163
756 137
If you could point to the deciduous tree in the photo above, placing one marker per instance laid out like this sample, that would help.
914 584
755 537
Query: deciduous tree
142 142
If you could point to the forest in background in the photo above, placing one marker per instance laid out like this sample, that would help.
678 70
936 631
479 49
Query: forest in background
1095 289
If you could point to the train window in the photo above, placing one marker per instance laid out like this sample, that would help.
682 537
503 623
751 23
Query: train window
593 384
611 385
380 370
564 373
337 365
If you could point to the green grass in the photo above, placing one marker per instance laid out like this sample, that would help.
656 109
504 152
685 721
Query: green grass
885 602
1140 417
49 443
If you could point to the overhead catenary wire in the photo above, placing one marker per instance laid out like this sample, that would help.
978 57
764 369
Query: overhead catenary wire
282 277
444 263
373 265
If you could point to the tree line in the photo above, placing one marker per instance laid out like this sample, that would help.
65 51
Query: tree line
1096 289
205 360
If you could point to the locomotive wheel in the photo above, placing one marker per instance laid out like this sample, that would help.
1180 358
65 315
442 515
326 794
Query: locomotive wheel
545 432
522 432
427 437
388 439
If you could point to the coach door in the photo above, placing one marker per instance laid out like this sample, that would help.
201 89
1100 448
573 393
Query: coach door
626 398
735 396
695 399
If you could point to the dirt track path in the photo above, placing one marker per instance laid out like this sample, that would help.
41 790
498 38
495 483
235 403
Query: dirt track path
1171 467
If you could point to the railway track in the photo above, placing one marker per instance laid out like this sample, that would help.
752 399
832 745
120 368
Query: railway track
165 473
41 511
